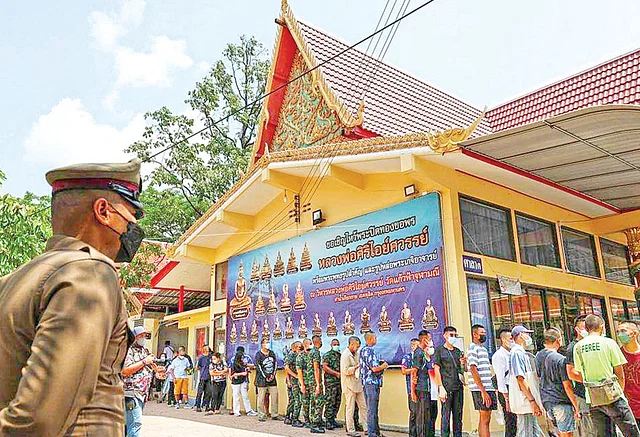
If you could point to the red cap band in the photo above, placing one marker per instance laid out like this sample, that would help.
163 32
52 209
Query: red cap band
91 183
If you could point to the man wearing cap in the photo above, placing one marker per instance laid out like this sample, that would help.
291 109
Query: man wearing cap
63 332
138 373
524 393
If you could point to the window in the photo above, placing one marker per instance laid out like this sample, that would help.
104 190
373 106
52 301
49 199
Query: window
625 310
537 241
480 310
580 253
222 274
616 262
486 229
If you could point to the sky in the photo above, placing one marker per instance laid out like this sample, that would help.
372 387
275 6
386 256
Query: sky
77 77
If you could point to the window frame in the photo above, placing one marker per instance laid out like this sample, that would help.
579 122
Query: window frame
626 249
594 250
484 203
554 228
223 292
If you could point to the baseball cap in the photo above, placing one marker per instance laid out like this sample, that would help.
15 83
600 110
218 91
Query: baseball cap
138 330
519 329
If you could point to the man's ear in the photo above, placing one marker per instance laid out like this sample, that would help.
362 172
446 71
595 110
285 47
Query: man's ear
101 211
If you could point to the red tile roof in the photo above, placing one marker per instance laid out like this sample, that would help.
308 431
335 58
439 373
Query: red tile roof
613 82
395 102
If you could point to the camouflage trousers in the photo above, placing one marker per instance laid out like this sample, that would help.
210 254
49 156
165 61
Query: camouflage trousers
312 405
332 398
295 401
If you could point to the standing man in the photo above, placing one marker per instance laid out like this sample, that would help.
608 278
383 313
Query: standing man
433 388
218 372
371 369
420 385
407 369
332 389
448 366
204 384
500 362
628 337
295 399
69 299
306 379
179 366
352 386
481 386
316 398
524 394
585 424
556 390
598 360
168 350
137 372
266 366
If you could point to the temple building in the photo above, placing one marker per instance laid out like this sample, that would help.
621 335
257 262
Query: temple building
538 198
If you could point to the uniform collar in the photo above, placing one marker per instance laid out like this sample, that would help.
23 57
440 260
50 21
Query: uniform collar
64 242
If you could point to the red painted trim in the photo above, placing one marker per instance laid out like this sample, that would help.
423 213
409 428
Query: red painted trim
163 273
536 178
181 299
358 133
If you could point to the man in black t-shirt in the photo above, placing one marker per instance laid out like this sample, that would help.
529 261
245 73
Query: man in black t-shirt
585 426
266 367
448 365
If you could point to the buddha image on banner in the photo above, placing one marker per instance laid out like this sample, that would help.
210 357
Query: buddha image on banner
381 272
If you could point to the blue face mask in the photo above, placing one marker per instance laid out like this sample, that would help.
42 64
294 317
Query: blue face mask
528 342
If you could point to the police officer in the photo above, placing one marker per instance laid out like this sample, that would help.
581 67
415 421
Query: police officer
293 388
63 321
332 388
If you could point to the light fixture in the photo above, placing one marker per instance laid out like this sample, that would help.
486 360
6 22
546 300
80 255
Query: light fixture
410 190
286 200
317 217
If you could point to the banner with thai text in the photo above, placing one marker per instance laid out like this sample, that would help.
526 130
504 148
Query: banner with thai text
381 272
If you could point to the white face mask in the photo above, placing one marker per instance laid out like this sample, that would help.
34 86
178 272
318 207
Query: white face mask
584 333
141 341
336 348
431 350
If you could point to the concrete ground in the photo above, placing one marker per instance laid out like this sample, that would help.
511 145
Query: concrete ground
162 421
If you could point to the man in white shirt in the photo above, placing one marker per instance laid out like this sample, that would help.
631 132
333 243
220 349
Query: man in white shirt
500 363
168 350
352 385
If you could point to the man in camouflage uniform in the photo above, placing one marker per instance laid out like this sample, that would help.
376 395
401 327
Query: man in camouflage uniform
316 404
305 376
293 388
332 387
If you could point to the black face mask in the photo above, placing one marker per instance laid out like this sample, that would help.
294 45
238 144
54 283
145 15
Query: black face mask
482 338
129 243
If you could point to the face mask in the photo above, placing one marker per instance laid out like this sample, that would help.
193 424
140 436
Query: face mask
624 338
336 348
265 346
141 341
129 241
528 341
482 338
584 333
431 350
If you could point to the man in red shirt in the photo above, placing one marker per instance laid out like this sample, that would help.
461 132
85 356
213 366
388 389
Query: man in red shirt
628 337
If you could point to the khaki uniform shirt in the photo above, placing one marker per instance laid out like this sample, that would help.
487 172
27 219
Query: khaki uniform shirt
62 344
348 365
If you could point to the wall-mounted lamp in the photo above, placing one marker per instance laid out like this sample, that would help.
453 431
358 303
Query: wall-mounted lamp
317 217
410 190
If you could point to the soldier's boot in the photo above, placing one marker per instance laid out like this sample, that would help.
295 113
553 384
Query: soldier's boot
297 424
316 430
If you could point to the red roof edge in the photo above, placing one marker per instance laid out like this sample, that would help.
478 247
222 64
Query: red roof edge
163 273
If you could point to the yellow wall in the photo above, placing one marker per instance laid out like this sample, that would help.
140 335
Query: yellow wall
340 202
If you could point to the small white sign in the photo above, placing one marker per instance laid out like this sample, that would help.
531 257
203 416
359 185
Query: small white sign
510 285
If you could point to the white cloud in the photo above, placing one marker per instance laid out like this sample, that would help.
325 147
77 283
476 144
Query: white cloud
69 133
106 28
204 66
110 100
153 68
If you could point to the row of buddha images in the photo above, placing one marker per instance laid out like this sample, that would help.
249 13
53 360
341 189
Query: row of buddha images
265 273
405 323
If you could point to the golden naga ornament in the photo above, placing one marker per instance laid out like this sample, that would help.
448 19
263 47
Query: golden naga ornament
450 139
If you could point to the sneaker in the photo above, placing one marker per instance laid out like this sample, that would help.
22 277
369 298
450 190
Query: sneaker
209 413
297 424
217 412
262 419
315 430
354 434
287 421
177 406
237 415
252 414
276 418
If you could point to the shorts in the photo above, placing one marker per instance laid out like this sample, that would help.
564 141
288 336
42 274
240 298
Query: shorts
562 416
478 403
181 386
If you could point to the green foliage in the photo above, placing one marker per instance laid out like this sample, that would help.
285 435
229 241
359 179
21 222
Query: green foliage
141 269
191 176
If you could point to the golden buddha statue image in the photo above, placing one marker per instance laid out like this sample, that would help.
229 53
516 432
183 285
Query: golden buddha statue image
255 271
254 332
240 305
285 302
317 329
288 328
265 273
299 304
429 318
332 329
233 337
406 321
302 329
292 266
277 332
260 308
348 327
365 317
305 259
265 330
243 333
278 267
384 324
273 306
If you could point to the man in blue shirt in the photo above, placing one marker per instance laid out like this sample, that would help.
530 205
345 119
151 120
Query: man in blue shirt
407 370
203 397
371 369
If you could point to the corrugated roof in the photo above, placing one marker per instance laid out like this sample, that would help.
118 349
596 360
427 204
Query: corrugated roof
613 82
395 102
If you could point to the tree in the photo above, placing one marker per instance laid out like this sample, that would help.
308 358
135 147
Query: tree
193 174
143 266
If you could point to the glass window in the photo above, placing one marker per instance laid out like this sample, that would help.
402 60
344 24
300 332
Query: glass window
486 229
222 274
537 242
480 310
633 311
580 253
617 309
616 262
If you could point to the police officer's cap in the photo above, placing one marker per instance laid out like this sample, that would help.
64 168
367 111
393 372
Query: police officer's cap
122 178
